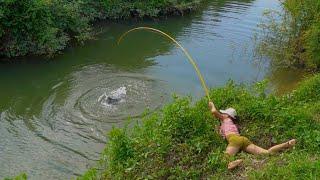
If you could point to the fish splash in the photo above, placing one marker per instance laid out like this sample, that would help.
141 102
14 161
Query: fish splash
114 97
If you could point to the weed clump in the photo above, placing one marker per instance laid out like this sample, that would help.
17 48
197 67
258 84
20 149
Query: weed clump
21 176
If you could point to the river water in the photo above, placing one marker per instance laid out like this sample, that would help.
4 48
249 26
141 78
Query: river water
54 114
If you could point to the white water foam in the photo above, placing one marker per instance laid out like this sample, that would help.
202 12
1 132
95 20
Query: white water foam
119 93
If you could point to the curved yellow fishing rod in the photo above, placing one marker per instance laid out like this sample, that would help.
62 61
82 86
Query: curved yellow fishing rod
191 60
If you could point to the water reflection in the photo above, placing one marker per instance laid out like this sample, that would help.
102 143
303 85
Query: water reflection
284 80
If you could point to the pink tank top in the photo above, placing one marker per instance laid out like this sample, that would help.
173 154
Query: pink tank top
227 127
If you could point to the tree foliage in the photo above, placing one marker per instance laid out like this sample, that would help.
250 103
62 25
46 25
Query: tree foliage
38 27
44 27
292 38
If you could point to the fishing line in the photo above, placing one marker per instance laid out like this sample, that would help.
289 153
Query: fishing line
191 60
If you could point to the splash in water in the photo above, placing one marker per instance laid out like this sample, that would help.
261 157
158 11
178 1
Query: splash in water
114 97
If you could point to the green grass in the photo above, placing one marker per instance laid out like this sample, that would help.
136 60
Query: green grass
22 176
181 141
295 165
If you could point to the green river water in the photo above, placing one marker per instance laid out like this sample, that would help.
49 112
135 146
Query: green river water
53 112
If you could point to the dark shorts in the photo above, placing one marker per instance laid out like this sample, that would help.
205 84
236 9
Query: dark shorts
238 141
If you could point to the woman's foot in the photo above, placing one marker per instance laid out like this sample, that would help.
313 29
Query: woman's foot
234 164
291 143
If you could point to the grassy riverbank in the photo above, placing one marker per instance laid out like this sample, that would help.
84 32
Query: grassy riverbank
41 27
294 40
181 141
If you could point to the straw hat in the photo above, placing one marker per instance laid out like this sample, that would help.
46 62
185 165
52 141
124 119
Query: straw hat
230 111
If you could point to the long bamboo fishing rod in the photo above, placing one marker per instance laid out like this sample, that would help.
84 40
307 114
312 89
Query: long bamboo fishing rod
191 60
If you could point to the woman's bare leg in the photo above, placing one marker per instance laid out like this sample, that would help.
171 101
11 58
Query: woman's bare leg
254 149
231 151
283 146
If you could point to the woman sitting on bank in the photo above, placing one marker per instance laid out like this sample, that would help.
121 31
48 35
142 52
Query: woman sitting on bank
236 142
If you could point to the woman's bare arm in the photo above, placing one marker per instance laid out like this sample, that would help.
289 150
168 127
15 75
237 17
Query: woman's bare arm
214 111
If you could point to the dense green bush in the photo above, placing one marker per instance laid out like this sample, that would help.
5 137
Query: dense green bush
44 27
293 41
182 141
150 8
